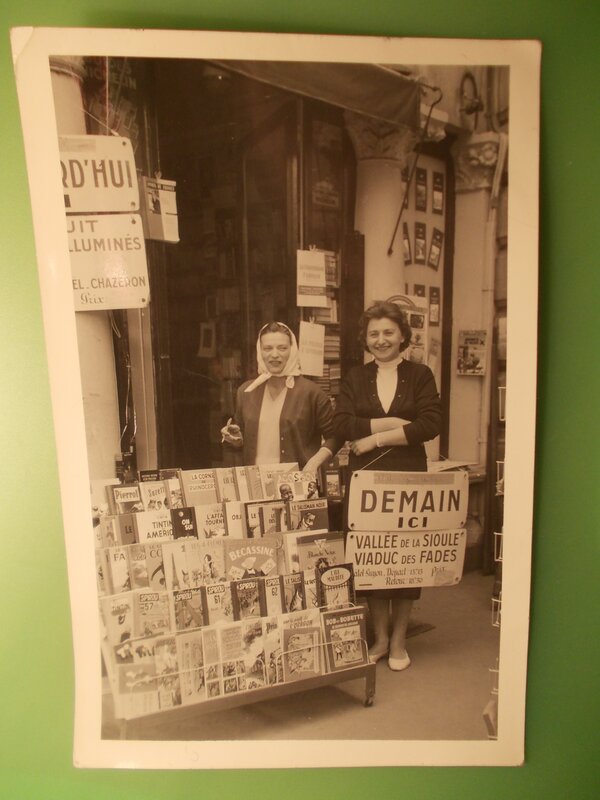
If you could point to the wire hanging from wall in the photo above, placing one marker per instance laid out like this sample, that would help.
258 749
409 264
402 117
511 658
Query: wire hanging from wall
422 137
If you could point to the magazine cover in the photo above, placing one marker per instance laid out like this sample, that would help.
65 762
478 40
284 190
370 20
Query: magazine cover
199 486
183 521
248 558
144 344
308 515
210 520
296 485
190 657
335 586
153 495
345 637
301 654
188 609
152 526
205 561
247 598
319 550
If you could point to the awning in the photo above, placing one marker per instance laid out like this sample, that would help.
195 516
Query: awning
368 89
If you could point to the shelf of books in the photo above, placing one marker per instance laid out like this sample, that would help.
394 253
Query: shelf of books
221 587
329 316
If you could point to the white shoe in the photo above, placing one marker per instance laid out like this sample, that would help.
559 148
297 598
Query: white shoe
398 664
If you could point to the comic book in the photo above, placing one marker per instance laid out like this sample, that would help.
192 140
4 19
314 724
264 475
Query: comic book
272 588
345 637
175 563
226 485
119 616
219 606
290 547
124 498
253 482
268 476
335 586
242 656
310 588
235 520
212 662
183 521
296 485
205 561
125 528
247 598
294 597
190 656
153 495
138 566
249 558
173 492
273 517
301 653
188 609
107 531
199 486
272 633
334 487
210 520
154 565
117 576
308 514
152 526
152 613
241 482
320 549
167 672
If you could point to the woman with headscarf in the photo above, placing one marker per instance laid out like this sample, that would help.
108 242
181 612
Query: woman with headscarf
280 415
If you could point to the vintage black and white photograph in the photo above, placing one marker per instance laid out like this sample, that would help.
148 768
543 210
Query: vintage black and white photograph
279 432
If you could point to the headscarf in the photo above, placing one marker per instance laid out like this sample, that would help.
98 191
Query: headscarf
291 368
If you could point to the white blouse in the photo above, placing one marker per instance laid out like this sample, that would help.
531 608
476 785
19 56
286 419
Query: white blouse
268 449
387 381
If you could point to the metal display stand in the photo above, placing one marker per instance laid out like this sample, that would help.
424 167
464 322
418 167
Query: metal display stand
128 728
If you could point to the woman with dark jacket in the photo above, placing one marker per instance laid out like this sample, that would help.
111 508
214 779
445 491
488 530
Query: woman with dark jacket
387 409
280 415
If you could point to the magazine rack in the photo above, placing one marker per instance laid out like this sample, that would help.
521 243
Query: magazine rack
128 728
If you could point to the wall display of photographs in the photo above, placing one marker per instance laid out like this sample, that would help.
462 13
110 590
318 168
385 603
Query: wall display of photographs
421 189
438 193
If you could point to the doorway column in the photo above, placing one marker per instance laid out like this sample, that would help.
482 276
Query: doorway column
94 334
382 151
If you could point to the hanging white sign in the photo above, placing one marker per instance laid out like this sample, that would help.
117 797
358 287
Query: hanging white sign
108 261
407 501
98 174
390 560
311 347
160 209
311 279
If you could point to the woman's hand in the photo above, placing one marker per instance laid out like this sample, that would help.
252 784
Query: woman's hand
315 462
364 445
232 434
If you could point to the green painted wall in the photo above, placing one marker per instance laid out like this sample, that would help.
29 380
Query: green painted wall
36 675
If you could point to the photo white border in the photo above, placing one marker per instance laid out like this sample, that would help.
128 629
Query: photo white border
32 48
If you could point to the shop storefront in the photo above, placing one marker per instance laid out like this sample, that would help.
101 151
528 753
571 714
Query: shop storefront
396 174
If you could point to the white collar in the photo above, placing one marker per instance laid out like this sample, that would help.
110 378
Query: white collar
383 365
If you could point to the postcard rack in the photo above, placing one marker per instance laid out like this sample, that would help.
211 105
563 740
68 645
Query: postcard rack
129 728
